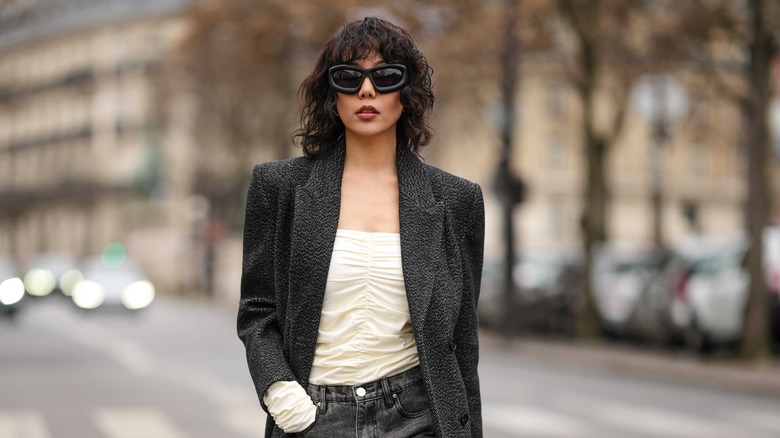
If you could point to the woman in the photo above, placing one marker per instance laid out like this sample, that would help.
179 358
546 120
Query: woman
362 264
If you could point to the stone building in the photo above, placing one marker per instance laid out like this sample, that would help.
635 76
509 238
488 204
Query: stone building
83 159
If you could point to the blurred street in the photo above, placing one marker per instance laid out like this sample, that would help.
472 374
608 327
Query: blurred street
177 370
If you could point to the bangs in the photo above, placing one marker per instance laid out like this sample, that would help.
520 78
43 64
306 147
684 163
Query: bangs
358 49
360 40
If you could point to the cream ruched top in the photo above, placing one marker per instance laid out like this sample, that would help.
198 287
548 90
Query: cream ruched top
365 330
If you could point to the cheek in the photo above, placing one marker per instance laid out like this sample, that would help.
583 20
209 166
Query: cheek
396 106
340 104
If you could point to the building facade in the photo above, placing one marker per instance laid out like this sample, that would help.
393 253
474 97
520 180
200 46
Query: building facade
82 159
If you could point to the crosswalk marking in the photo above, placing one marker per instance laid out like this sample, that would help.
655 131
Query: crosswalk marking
24 424
584 416
249 420
135 423
658 423
524 421
652 421
764 420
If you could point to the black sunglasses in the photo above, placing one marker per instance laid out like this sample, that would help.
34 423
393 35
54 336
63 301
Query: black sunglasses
348 79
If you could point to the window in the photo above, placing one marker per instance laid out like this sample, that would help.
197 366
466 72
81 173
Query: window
556 100
557 218
698 159
556 152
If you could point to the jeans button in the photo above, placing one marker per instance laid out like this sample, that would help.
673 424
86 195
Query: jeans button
360 392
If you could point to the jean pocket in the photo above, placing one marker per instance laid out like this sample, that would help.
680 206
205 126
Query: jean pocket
412 401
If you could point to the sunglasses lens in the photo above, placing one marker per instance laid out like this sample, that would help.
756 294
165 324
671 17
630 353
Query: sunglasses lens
387 77
347 78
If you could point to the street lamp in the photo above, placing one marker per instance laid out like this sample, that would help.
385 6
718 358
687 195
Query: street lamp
661 101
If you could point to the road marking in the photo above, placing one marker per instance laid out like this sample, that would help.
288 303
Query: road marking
526 421
127 353
249 419
240 408
23 424
134 423
647 420
764 420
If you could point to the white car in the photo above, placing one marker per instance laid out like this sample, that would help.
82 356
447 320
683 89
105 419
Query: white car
709 302
621 275
49 273
772 275
106 285
11 288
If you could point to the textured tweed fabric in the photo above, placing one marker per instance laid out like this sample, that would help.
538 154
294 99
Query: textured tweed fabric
291 219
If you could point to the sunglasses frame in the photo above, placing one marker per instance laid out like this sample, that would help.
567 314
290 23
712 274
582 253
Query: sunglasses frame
364 72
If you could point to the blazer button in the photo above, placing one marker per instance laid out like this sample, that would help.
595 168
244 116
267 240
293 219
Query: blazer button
453 346
464 419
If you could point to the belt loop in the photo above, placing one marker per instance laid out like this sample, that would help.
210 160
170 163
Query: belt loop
386 390
323 405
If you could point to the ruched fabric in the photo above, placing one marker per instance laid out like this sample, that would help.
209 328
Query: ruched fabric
365 330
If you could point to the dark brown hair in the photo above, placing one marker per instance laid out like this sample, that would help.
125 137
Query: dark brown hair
320 123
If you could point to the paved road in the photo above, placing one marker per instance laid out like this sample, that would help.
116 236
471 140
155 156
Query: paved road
177 371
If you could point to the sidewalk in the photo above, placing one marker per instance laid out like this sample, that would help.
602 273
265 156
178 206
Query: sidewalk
644 361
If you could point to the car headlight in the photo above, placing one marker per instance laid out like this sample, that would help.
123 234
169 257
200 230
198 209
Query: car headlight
40 282
69 280
88 294
11 291
138 295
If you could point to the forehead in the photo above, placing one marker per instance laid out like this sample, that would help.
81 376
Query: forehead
369 61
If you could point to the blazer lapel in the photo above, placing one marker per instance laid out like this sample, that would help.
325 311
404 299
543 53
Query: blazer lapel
421 218
317 206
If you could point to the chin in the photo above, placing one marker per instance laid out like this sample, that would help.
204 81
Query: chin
371 132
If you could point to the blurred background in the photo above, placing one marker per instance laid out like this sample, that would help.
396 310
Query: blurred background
628 152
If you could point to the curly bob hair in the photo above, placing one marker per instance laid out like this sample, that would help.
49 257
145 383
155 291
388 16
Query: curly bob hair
320 123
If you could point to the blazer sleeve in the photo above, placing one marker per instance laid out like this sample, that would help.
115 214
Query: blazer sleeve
258 325
466 329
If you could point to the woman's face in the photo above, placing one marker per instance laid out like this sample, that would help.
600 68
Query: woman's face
368 113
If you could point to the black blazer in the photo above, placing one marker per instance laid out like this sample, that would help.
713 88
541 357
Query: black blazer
291 219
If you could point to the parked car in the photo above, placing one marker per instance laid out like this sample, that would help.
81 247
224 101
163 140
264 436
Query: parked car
621 286
710 294
50 273
545 289
109 285
772 274
11 288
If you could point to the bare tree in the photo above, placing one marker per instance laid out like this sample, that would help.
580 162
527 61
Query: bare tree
606 58
755 339
732 44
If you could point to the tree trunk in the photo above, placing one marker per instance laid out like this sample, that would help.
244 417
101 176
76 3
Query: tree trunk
594 214
755 339
509 98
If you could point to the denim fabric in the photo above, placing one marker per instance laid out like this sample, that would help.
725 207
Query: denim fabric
394 407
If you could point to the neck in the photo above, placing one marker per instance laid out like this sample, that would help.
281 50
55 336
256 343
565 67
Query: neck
375 153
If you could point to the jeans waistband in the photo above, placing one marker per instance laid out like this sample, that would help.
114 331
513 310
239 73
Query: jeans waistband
353 393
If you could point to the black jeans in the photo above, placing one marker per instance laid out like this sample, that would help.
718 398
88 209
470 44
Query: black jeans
394 407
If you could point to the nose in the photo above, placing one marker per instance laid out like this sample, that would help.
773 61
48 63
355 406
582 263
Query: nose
367 88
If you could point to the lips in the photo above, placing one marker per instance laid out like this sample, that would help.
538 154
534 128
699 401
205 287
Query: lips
367 109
